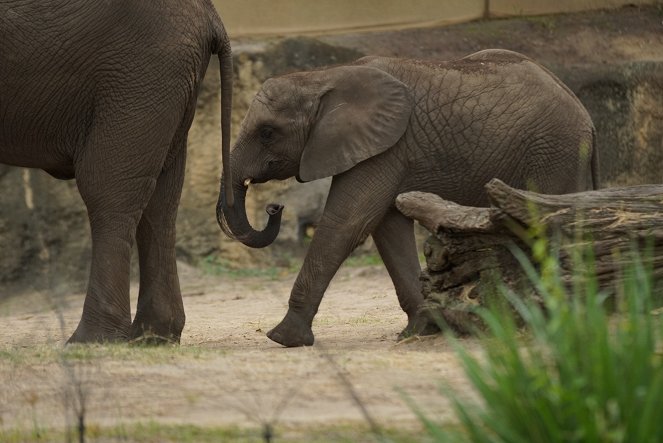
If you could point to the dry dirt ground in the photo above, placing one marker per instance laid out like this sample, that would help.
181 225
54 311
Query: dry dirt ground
226 372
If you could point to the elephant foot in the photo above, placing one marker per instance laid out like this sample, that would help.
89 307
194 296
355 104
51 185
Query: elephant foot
86 333
144 331
419 325
292 331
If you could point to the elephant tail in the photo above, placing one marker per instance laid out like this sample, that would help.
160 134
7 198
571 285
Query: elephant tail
224 53
596 173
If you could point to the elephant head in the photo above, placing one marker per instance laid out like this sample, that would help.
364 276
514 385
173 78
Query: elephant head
311 125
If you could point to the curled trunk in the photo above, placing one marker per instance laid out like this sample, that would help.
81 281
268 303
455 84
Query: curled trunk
235 224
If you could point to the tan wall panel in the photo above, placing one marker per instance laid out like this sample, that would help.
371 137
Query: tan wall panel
255 17
287 17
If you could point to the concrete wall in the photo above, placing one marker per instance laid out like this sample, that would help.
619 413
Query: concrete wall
503 8
290 17
285 17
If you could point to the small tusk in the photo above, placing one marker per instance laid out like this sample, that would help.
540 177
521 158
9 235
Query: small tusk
247 182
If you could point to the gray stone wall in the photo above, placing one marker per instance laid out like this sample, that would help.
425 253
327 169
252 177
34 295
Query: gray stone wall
626 105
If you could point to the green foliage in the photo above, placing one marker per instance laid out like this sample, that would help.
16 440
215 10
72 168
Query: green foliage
285 265
363 259
140 432
218 266
547 22
24 357
576 374
167 433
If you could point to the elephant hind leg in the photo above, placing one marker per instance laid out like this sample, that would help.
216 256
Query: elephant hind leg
114 203
394 238
160 313
116 174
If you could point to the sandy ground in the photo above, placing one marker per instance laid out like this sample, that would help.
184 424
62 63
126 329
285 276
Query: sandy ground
226 371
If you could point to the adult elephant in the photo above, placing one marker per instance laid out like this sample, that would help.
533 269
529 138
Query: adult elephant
105 92
383 126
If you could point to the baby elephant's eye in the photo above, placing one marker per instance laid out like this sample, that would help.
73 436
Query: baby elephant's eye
266 134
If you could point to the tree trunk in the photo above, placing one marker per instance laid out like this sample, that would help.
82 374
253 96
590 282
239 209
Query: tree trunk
471 250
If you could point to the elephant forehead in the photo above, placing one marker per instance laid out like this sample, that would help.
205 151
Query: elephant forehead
275 89
280 94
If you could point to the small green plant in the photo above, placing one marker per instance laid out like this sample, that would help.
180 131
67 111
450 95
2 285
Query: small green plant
217 266
575 374
547 22
150 432
363 259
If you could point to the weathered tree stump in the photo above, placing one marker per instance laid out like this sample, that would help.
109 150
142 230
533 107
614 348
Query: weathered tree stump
470 252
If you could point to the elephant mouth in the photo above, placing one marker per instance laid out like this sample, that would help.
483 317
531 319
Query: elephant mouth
271 208
254 181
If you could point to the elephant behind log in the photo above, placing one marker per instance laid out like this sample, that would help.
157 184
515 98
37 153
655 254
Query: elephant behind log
105 92
384 126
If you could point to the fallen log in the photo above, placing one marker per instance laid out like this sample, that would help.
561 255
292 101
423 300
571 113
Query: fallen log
470 252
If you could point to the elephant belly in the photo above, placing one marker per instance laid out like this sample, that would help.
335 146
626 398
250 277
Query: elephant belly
44 133
462 178
38 157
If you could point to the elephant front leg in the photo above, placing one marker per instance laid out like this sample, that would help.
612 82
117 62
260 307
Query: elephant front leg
329 248
296 327
160 313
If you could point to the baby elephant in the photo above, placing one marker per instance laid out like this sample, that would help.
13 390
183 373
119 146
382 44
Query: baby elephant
384 126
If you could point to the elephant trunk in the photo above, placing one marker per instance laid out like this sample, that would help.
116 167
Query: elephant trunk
235 224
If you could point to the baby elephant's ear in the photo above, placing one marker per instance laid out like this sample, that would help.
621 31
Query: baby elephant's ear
362 112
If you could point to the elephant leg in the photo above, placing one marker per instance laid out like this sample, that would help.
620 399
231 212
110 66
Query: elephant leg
160 312
116 174
354 208
395 241
114 208
330 246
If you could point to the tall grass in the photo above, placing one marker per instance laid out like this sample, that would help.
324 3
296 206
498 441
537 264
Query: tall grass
576 373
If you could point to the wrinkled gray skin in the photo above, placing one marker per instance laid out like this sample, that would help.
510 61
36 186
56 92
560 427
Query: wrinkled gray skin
385 126
105 92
